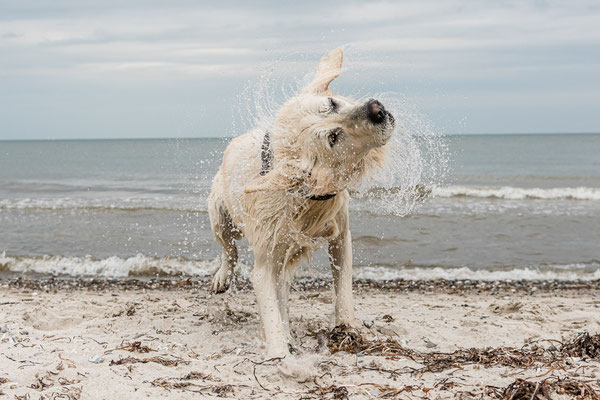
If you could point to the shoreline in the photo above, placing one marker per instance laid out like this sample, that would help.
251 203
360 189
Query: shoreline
55 283
172 338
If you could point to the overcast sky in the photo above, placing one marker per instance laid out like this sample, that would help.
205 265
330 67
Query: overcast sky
118 69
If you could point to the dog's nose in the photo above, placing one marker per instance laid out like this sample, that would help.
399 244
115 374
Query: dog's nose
376 111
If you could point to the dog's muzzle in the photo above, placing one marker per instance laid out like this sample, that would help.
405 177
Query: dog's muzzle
377 113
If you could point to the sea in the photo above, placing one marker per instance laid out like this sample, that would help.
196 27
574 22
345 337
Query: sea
508 207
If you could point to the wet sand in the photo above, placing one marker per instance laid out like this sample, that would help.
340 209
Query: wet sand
103 339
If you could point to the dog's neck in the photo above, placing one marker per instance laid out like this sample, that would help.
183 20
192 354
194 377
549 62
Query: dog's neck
266 156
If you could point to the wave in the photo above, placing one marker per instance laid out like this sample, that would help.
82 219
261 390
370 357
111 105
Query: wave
197 203
126 204
566 272
141 265
113 267
518 193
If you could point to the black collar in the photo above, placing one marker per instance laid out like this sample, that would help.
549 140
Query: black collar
266 156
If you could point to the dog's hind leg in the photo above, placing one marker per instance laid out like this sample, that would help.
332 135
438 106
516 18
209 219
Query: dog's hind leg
226 234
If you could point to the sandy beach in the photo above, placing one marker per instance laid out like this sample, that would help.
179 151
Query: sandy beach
103 339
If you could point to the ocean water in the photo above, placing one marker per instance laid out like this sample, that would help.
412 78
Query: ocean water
510 207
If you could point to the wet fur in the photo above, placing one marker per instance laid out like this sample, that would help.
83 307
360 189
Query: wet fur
275 212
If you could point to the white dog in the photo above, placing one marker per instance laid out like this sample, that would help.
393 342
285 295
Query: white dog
284 187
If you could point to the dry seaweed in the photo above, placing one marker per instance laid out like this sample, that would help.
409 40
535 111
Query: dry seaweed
342 338
218 390
387 318
159 360
39 384
170 384
488 357
134 347
184 383
584 346
332 392
197 375
62 396
389 392
522 389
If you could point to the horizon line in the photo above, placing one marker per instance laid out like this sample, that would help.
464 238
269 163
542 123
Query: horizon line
231 137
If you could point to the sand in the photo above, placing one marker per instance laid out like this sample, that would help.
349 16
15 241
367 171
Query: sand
204 345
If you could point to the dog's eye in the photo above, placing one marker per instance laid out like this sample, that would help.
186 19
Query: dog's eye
333 136
333 105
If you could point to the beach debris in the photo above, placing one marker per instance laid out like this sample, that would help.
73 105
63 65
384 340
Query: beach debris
70 363
522 389
584 346
368 324
218 390
39 384
231 317
96 359
3 380
533 354
65 382
389 392
159 360
129 310
344 338
184 381
258 363
134 347
302 285
330 392
168 384
222 390
388 318
198 375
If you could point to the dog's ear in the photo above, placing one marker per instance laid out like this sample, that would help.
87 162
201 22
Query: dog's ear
330 67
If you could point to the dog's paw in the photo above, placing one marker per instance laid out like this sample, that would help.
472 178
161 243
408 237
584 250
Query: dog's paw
278 350
300 368
221 280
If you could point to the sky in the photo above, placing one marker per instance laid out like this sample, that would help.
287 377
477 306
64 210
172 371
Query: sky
135 69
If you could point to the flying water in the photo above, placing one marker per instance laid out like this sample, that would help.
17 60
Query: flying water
418 155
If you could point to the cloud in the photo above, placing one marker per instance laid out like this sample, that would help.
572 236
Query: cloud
456 46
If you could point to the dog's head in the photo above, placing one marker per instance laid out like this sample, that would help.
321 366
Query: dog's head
323 143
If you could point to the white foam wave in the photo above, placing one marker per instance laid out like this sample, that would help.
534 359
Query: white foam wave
116 267
141 265
569 272
125 204
517 193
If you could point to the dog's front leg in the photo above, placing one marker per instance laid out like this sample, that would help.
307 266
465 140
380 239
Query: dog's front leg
340 252
264 281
